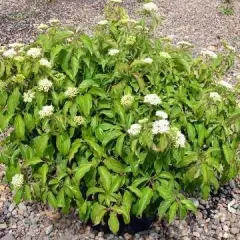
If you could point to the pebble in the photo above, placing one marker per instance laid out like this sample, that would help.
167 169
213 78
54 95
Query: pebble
48 229
8 237
235 230
11 207
22 207
3 225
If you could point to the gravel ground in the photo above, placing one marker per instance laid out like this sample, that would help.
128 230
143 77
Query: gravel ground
197 21
217 218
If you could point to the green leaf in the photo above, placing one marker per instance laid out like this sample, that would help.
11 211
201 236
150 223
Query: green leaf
74 66
191 132
82 169
173 211
98 92
32 161
61 198
18 195
43 173
87 42
85 84
189 205
19 127
97 214
63 144
119 145
40 145
13 101
4 121
55 51
227 153
74 148
114 165
165 193
82 209
205 191
27 193
91 142
110 136
94 190
135 190
116 183
29 121
52 200
85 103
127 200
105 178
164 206
144 201
113 223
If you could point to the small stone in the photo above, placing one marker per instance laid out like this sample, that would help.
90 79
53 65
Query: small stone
92 235
3 225
127 236
22 207
234 230
11 207
20 212
225 228
100 234
8 237
232 184
225 235
196 234
49 229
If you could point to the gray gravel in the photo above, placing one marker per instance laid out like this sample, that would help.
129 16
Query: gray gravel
217 218
197 21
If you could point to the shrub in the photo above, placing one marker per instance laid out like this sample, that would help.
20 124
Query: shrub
119 124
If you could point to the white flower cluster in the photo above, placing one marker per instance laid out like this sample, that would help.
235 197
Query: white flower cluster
42 26
180 140
209 53
79 120
28 96
10 53
34 52
148 60
71 92
134 129
162 114
127 100
45 63
226 84
17 181
152 99
44 85
46 111
103 22
215 96
160 126
113 52
150 7
165 55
